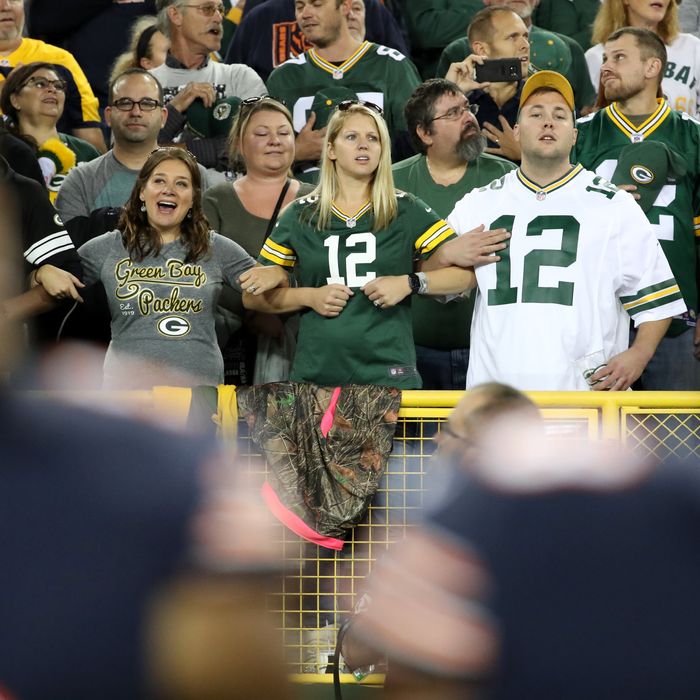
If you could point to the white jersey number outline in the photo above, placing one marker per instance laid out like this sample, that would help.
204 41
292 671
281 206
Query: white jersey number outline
352 260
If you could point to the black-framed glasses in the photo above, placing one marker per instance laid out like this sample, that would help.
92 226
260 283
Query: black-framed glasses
345 105
43 83
208 8
455 113
145 104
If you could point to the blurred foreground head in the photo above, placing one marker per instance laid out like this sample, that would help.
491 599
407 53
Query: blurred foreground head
553 568
11 266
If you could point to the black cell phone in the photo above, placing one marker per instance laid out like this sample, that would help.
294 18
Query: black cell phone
499 70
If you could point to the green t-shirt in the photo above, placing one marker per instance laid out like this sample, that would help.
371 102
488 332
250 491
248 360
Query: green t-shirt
674 214
572 60
436 325
374 73
364 344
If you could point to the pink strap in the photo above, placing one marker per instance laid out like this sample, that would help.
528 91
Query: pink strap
327 420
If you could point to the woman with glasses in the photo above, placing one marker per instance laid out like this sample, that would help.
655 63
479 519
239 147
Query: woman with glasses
33 98
261 145
163 270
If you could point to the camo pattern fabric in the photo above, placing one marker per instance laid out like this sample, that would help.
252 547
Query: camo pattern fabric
329 481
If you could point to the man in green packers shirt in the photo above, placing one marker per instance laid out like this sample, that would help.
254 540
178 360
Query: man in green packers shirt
371 72
615 142
451 162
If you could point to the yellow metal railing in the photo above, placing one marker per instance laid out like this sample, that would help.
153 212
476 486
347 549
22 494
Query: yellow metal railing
323 586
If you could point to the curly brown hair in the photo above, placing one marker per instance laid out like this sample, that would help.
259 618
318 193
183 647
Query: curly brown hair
140 238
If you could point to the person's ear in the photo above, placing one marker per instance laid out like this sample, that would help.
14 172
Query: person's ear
424 136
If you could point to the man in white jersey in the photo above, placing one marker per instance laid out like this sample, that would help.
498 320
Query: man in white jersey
582 260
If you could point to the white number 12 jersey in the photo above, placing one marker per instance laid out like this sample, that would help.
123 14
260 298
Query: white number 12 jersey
582 259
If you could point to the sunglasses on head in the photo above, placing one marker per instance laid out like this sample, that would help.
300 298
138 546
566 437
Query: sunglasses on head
249 101
345 105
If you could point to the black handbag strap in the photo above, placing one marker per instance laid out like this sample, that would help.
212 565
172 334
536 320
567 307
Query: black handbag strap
278 206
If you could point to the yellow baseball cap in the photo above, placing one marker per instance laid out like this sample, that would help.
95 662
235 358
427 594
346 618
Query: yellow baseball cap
548 79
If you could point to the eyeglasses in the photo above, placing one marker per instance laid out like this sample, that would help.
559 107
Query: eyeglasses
208 9
43 83
455 113
345 105
145 104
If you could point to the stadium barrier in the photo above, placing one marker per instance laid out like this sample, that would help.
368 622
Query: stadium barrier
322 586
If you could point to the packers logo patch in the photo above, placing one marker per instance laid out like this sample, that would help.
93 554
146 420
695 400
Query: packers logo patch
174 326
641 174
222 111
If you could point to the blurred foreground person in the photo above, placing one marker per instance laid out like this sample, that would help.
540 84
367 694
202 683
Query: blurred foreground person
544 572
94 525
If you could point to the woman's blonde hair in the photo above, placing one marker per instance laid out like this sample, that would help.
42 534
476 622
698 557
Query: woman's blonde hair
240 124
383 193
612 15
142 31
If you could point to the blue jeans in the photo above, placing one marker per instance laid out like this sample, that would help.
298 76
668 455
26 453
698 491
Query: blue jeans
443 369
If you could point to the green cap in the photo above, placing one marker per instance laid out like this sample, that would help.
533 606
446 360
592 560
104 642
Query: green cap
648 165
327 100
212 121
549 52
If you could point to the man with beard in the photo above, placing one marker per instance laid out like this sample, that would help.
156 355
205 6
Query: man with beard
450 163
553 313
495 32
636 122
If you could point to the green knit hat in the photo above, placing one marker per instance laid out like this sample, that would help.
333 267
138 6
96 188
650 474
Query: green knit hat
327 100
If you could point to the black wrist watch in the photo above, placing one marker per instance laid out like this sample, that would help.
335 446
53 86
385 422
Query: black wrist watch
414 282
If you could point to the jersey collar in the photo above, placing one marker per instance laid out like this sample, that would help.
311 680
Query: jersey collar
633 133
534 187
345 66
351 220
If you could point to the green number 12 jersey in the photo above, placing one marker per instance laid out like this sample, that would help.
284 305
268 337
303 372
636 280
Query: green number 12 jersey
364 344
674 214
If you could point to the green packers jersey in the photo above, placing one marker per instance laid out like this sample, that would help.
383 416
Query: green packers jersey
436 325
374 73
364 344
674 214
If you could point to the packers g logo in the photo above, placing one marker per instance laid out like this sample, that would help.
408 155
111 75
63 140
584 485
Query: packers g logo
222 111
174 326
641 174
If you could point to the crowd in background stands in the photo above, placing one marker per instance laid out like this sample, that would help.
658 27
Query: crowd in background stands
90 89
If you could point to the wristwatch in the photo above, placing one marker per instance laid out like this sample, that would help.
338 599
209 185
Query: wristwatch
418 283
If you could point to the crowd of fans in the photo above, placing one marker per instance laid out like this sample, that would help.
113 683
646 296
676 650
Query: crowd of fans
325 202
199 75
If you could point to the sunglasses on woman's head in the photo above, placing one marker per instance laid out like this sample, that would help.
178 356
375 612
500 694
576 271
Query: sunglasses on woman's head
345 105
260 98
